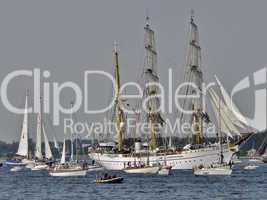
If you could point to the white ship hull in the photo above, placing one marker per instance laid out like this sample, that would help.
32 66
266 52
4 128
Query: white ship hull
183 160
68 173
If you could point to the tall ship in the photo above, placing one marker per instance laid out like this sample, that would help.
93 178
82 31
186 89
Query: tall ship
114 155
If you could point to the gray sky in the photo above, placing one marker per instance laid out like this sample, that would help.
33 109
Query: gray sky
67 37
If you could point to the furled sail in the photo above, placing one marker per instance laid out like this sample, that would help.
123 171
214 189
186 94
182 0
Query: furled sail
38 147
193 80
23 144
48 153
150 104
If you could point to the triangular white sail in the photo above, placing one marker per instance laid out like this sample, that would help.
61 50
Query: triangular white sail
55 143
48 153
38 148
226 124
231 105
63 156
23 144
224 129
170 142
225 113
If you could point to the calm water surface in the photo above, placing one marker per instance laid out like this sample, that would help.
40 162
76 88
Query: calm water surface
243 184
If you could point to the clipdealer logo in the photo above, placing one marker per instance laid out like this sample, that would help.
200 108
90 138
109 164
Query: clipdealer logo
260 99
82 96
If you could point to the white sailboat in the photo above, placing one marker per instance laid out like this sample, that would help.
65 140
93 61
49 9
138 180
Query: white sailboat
22 155
165 169
72 168
66 168
220 168
40 160
41 165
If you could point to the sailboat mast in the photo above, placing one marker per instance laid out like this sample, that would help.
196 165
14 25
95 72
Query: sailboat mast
71 136
28 140
220 132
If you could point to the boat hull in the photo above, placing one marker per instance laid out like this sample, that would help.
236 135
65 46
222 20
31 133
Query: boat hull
14 163
108 181
250 167
68 173
184 160
213 172
254 160
94 168
16 168
39 167
145 170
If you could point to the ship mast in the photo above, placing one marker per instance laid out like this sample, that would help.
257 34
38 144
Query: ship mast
151 115
119 116
193 74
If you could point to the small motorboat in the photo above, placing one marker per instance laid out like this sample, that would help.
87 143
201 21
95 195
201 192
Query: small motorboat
1 164
109 179
16 168
250 167
165 170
